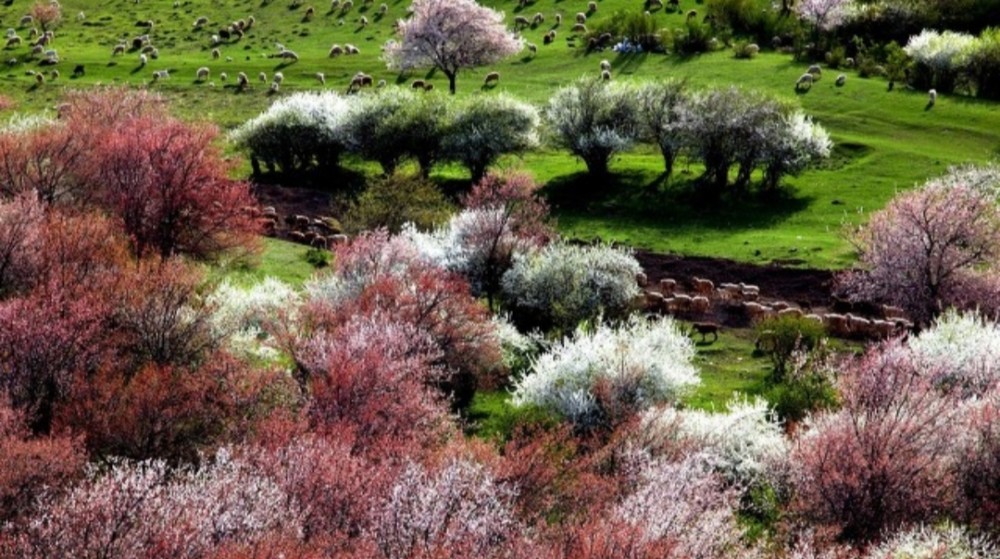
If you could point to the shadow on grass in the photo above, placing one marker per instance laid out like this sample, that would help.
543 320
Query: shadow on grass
677 201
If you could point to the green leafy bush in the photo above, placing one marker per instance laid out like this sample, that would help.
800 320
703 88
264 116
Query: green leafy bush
393 201
780 336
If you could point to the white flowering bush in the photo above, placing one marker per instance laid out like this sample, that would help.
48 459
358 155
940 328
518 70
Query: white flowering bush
297 133
125 509
486 127
744 443
516 349
436 513
984 178
240 315
686 504
962 350
939 57
796 143
561 285
941 542
394 124
593 120
599 376
825 14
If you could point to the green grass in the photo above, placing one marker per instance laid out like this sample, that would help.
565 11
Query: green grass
728 366
886 140
280 259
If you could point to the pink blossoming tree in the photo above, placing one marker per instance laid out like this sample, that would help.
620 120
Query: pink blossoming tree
450 35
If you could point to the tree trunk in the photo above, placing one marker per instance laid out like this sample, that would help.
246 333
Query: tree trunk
451 81
668 161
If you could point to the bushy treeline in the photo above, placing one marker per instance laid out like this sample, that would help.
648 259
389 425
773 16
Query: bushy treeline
594 120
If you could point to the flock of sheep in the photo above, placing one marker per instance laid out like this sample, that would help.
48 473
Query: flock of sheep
746 299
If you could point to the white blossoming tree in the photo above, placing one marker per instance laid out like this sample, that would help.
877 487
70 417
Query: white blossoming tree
450 35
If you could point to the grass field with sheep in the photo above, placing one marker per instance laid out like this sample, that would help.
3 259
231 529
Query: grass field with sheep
885 141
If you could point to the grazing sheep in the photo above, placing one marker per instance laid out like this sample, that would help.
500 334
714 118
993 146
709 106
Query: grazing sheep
229 59
538 19
237 34
383 9
363 21
605 65
492 77
692 14
202 73
32 33
13 42
79 70
381 84
703 286
275 86
11 32
549 37
290 55
242 81
143 60
27 20
891 312
521 21
54 74
532 48
641 279
931 98
705 328
650 4
321 77
119 49
40 78
224 34
591 7
581 17
816 71
336 50
558 19
216 54
804 79
334 4
579 28
310 12
668 286
278 77
841 80
250 21
418 84
12 62
429 87
347 6
223 77
351 49
147 49
262 77
606 75
160 74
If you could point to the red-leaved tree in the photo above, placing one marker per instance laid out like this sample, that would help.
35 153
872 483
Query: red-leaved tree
168 184
885 459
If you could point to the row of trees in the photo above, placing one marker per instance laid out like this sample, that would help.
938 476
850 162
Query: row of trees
721 128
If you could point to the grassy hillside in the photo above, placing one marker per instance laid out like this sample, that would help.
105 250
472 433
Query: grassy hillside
886 141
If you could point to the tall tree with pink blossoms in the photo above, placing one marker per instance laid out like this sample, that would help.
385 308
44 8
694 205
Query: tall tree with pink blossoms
450 35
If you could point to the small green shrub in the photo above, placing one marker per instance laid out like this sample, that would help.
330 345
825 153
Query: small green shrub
395 200
744 49
835 57
318 257
693 38
807 387
780 336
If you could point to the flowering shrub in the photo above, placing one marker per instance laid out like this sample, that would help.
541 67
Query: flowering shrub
297 133
963 349
395 200
798 142
940 542
133 507
927 249
824 14
458 510
561 285
240 315
939 57
604 376
486 127
593 120
743 443
659 105
685 505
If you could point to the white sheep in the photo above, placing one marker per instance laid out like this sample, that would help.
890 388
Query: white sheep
592 7
278 77
223 77
143 60
381 84
581 17
351 49
346 7
815 70
606 75
538 19
81 16
201 21
492 77
383 9
13 41
262 77
931 97
804 79
532 48
605 65
119 49
275 86
321 77
54 74
579 28
363 21
242 80
841 80
558 19
11 32
336 50
27 20
202 73
521 21
216 54
289 55
334 4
